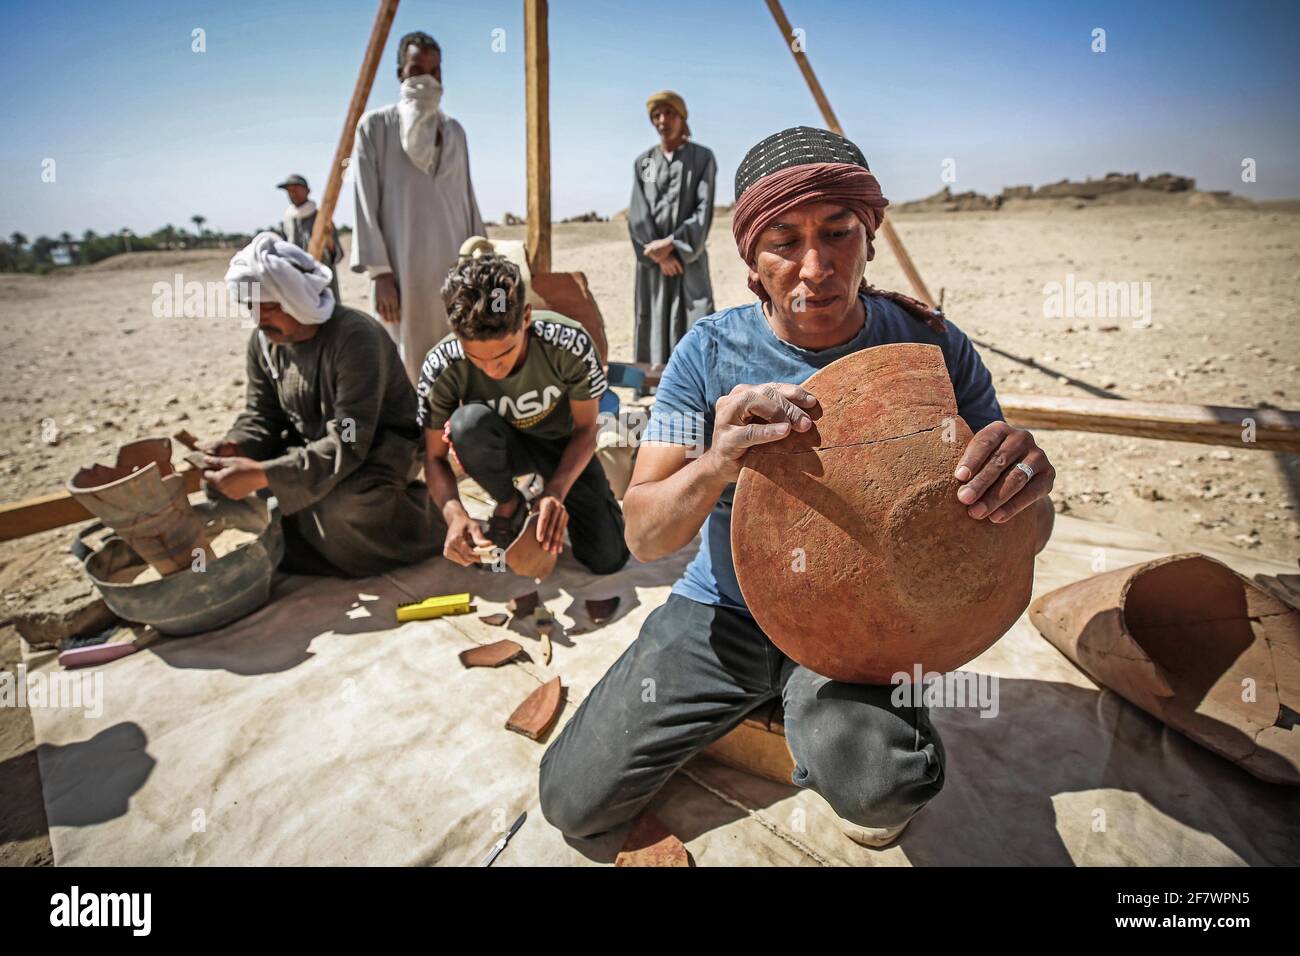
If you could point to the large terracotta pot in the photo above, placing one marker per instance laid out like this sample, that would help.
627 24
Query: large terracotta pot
1195 645
851 548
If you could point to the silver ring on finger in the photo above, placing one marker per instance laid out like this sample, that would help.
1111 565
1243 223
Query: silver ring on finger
1027 469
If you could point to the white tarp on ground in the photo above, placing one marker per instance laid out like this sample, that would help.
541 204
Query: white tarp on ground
318 732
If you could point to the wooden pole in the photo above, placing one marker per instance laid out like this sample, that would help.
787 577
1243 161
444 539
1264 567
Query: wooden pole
537 94
1248 429
833 124
360 93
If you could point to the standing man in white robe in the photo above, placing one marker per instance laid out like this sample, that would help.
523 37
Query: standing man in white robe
415 203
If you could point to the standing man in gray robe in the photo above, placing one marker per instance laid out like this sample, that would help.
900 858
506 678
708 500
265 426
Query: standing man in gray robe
669 218
300 220
329 427
415 203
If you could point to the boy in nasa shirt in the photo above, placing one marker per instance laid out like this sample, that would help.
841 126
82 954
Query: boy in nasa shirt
516 391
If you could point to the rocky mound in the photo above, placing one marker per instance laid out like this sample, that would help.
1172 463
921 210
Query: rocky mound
1114 187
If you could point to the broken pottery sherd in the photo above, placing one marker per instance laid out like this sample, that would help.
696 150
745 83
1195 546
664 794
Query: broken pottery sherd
143 499
526 556
491 655
533 718
523 605
649 843
601 610
850 546
495 620
1195 645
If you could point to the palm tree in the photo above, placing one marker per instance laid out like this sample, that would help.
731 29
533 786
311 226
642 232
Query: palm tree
198 224
18 240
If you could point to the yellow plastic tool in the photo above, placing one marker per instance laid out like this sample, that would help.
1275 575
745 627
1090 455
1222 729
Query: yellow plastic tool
434 607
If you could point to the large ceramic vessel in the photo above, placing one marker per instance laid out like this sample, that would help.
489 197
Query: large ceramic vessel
1195 645
851 548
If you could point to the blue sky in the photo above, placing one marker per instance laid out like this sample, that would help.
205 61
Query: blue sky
144 131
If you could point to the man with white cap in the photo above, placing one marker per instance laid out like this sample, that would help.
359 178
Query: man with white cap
415 203
299 221
329 427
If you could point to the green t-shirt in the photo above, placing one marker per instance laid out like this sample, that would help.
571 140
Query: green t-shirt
561 366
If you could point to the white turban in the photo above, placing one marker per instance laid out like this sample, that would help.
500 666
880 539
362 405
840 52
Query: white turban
269 269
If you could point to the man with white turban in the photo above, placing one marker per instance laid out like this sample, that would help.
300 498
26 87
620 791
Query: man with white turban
329 427
415 203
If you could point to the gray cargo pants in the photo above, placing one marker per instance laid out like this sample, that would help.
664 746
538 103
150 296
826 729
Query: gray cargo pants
691 676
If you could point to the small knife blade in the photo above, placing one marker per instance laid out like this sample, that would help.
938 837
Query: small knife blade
501 844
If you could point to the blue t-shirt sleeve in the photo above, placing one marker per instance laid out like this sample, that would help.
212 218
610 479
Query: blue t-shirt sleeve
977 401
682 413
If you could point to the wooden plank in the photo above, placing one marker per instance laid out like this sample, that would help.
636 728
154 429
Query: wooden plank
887 229
757 749
1274 429
360 93
537 90
19 519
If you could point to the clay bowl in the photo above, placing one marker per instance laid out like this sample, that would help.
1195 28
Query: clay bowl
851 548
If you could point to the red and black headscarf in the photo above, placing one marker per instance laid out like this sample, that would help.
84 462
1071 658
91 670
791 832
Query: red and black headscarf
803 165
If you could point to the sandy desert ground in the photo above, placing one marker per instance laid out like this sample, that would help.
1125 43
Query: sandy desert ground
84 351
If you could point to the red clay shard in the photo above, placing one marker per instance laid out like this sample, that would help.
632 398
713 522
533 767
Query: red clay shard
601 610
490 655
523 605
534 717
649 843
526 556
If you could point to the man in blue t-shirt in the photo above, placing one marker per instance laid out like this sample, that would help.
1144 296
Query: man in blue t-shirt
807 209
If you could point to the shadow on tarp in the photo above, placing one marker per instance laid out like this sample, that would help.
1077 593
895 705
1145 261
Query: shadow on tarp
334 605
1003 775
110 767
1053 738
441 576
320 605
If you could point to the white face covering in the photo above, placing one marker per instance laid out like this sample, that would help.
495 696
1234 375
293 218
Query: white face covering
417 109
